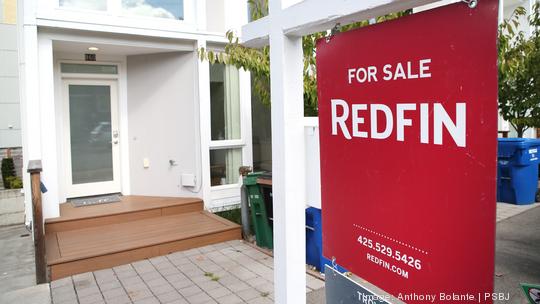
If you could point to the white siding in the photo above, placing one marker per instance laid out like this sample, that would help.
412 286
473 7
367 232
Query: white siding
10 117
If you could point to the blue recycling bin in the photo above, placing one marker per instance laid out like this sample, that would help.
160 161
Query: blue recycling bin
517 170
314 256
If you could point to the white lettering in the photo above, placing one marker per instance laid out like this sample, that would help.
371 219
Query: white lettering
424 68
424 123
401 121
356 120
341 119
457 130
389 121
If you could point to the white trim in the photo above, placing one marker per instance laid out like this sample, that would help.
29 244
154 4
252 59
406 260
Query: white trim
203 69
99 187
224 144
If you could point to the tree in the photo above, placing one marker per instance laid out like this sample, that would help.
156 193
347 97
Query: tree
257 61
519 71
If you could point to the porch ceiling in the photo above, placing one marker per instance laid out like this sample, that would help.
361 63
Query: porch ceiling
106 49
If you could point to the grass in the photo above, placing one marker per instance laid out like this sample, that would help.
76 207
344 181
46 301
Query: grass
233 215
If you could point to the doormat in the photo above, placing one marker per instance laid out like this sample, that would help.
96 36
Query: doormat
95 200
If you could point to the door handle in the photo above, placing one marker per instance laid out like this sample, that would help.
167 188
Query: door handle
115 142
115 134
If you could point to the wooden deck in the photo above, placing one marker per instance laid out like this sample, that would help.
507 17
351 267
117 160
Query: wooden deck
103 236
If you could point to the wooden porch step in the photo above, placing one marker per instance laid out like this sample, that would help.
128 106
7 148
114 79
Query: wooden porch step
130 208
81 250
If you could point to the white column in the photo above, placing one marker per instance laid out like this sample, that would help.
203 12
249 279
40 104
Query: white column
245 106
288 175
49 140
204 125
29 95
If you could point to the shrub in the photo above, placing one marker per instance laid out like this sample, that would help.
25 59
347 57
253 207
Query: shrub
8 170
16 183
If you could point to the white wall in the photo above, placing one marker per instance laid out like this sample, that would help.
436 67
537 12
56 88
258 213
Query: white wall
10 118
313 163
163 123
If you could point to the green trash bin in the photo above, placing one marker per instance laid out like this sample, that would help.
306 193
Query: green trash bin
263 230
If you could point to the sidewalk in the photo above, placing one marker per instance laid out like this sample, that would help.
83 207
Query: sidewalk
517 253
225 273
17 268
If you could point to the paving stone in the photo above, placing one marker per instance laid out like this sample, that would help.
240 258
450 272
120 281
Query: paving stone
182 284
236 287
147 301
190 291
91 299
104 275
151 275
139 294
135 287
126 274
229 279
174 255
179 301
157 282
261 300
121 268
65 297
249 294
314 283
217 292
119 300
109 285
175 277
206 286
199 298
265 288
169 297
192 252
200 278
62 290
62 282
131 281
83 292
230 299
113 293
170 270
162 289
158 260
142 270
256 281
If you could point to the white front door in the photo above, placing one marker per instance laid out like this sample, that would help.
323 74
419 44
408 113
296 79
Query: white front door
91 143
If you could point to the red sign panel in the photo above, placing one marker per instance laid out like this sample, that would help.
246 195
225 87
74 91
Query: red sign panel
408 128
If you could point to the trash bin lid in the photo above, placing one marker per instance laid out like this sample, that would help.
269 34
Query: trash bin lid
508 146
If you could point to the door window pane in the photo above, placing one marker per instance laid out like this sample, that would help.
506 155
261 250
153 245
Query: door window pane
90 127
224 102
172 9
224 165
96 5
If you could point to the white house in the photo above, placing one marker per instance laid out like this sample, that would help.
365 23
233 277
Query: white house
115 100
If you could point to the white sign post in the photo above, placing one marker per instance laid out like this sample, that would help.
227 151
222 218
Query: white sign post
283 29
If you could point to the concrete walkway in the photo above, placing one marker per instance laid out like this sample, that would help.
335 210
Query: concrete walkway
226 273
17 268
517 255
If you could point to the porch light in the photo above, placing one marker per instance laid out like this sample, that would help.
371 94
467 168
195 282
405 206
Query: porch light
93 48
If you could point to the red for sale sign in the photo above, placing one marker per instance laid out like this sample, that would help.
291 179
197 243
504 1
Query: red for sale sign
408 134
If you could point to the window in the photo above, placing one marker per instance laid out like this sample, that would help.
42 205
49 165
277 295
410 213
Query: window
88 68
224 164
95 5
226 138
171 9
224 102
